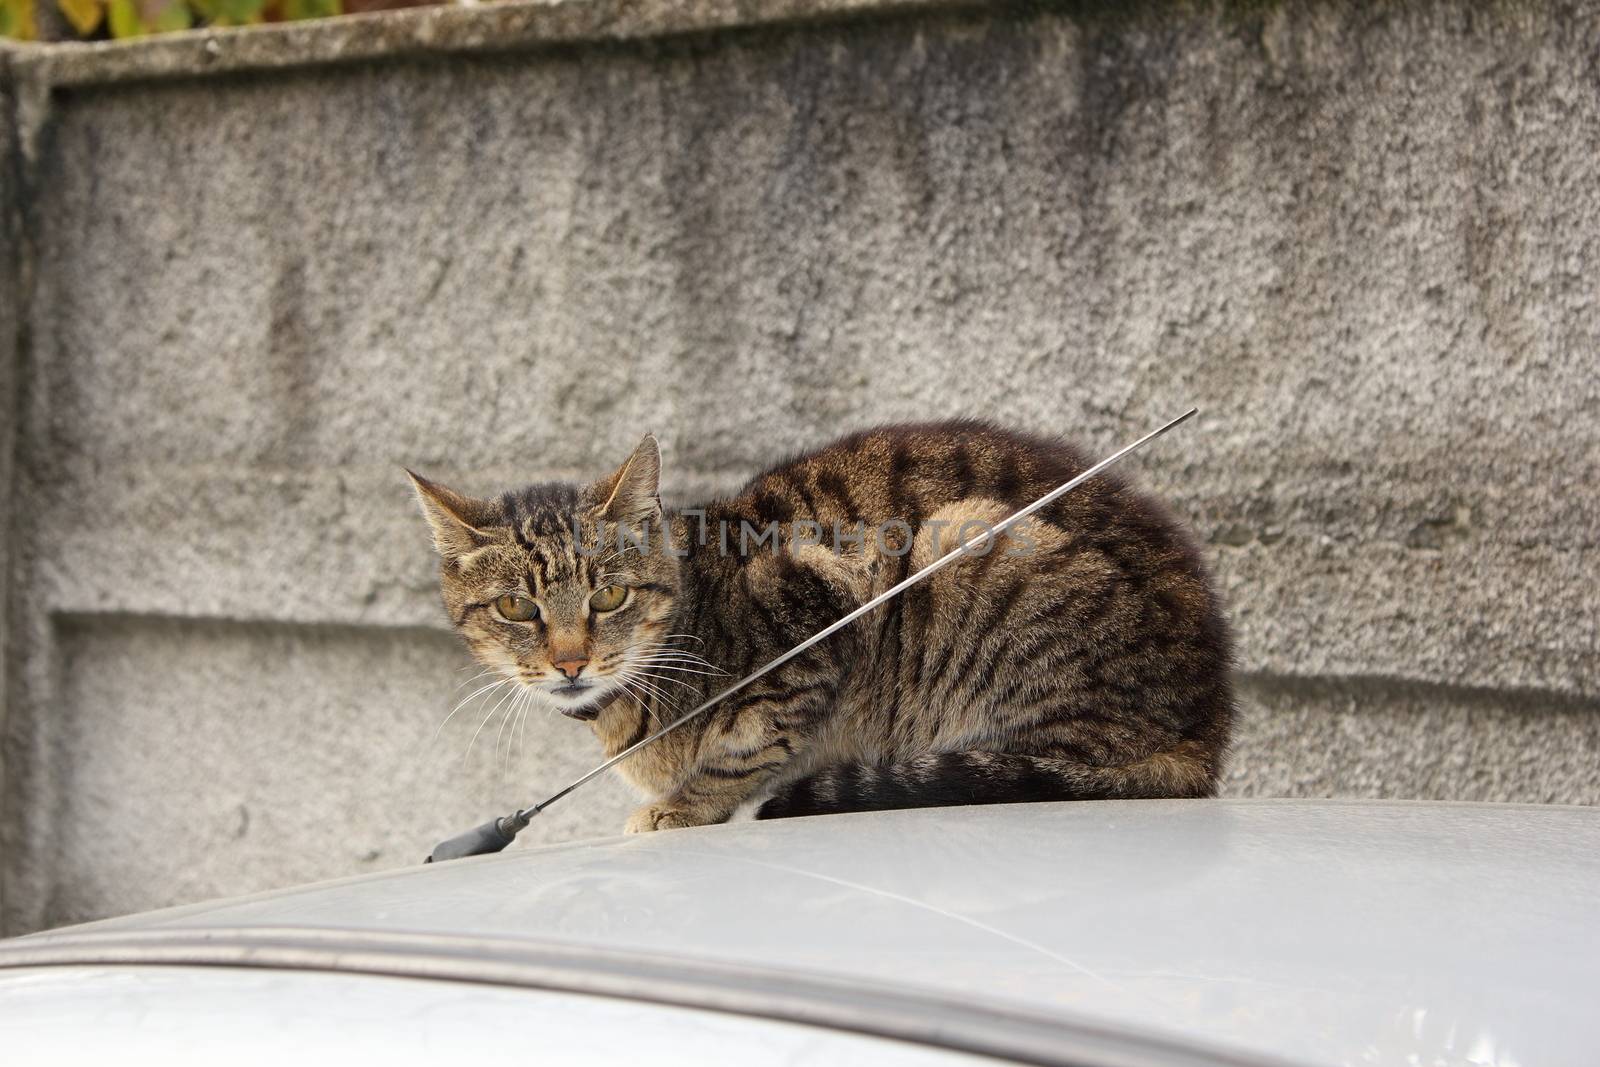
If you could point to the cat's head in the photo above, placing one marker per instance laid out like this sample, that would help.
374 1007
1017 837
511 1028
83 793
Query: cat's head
547 585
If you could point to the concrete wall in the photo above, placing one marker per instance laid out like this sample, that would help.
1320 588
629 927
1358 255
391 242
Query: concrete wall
11 295
1362 241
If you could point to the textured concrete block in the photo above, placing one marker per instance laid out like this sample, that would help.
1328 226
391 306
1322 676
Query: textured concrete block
1359 238
10 297
188 760
1374 738
1367 272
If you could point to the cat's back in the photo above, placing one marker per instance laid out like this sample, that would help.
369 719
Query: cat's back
906 471
909 472
912 488
1069 638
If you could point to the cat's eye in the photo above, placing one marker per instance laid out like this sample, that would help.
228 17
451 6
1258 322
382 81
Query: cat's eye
516 608
609 599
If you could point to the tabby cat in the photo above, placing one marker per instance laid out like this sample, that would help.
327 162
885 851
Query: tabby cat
1081 656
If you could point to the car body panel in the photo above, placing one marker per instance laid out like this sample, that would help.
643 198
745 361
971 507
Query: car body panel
1320 932
160 1015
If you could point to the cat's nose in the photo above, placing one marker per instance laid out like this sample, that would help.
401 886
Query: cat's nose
572 668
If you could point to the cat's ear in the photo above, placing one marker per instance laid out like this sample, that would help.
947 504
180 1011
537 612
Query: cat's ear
457 520
632 493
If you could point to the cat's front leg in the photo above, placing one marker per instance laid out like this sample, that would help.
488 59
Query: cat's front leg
664 816
703 800
734 762
751 739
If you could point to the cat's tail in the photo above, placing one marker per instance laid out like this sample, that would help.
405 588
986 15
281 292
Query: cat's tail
1188 769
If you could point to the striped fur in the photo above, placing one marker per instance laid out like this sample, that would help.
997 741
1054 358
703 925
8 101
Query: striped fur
1084 656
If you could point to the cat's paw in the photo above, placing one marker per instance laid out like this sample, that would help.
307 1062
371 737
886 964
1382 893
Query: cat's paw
658 817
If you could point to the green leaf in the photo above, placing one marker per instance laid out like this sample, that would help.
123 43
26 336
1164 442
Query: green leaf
124 18
134 18
83 15
293 10
16 20
171 16
231 12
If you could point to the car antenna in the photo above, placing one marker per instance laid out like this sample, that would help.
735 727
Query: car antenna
496 834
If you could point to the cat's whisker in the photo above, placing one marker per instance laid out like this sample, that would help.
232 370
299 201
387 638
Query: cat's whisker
641 679
663 646
668 652
674 673
514 742
637 699
644 705
671 665
511 727
522 723
655 690
466 683
674 659
693 664
464 703
465 756
488 686
515 700
675 681
475 677
689 690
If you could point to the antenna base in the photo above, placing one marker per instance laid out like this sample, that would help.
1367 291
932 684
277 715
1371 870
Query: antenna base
492 836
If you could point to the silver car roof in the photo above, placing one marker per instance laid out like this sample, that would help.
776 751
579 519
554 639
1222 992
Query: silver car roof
1318 932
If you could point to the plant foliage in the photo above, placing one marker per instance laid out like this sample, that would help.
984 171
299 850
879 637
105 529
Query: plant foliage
135 18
